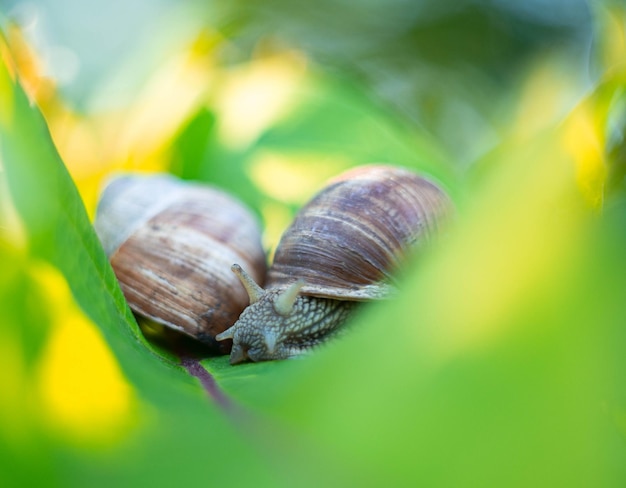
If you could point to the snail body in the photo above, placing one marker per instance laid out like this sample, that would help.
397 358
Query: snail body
342 248
171 244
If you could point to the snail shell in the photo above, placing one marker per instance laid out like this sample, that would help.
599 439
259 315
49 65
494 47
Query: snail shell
343 246
171 244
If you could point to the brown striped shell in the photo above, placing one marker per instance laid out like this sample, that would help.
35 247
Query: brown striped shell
349 239
171 245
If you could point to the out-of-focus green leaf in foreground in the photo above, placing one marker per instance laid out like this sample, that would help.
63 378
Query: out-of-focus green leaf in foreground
499 365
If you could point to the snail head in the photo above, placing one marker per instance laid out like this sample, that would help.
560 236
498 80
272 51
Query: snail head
264 329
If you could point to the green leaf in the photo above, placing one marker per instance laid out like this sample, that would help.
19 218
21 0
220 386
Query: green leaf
499 365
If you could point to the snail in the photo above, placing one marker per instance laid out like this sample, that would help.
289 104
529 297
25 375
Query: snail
342 248
171 244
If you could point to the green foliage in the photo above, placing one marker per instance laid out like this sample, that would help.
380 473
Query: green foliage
447 66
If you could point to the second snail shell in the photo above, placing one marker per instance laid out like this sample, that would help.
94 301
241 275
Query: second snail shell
171 244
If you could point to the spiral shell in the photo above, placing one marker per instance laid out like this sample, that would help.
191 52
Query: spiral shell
171 244
348 241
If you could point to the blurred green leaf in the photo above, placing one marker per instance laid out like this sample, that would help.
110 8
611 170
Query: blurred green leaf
54 219
22 442
193 149
498 365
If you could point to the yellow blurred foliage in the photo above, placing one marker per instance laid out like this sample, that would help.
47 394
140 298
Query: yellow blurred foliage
545 102
171 95
84 395
612 23
276 218
584 139
6 101
585 130
138 137
508 249
21 59
247 99
545 98
56 371
93 146
257 94
293 177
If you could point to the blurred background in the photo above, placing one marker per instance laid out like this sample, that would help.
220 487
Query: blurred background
500 365
123 84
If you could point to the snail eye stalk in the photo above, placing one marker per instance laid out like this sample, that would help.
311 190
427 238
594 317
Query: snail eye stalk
286 300
255 292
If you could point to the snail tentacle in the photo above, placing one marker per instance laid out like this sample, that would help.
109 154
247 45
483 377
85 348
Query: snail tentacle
255 292
286 300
